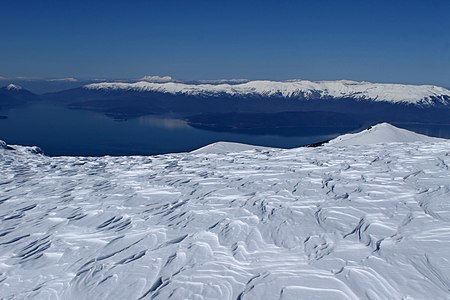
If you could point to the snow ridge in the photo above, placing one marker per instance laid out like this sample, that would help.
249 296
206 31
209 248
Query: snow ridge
424 95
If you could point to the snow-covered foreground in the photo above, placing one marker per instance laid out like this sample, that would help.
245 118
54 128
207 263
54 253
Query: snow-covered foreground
355 222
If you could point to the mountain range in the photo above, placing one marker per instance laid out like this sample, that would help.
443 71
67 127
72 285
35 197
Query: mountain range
258 105
424 95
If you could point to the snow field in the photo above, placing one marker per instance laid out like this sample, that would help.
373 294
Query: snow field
353 222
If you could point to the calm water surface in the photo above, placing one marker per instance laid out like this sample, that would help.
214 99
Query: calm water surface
60 131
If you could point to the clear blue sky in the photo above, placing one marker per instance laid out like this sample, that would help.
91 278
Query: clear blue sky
383 41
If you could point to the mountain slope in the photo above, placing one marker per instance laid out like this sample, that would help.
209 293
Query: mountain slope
14 95
381 133
370 221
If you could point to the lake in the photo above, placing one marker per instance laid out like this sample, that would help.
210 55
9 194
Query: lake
61 131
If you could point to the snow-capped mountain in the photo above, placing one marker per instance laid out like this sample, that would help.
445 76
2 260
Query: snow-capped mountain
13 87
366 222
381 133
15 90
14 95
424 95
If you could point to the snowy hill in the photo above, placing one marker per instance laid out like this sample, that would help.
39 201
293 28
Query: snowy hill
226 147
372 222
381 133
424 95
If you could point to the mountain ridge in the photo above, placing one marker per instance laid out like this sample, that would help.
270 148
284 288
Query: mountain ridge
422 95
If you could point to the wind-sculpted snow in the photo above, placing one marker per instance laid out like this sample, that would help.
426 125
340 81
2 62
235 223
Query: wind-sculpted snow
356 222
422 95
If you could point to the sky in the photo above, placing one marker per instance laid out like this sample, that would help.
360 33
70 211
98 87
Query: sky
378 41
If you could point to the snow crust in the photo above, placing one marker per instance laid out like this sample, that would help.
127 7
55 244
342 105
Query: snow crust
381 133
396 93
356 222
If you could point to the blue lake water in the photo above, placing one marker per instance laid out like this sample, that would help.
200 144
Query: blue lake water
61 131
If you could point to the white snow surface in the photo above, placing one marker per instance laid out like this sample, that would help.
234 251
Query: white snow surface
424 95
356 222
226 147
381 133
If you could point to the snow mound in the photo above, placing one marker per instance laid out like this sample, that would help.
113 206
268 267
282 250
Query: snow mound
5 146
18 148
381 133
226 147
424 95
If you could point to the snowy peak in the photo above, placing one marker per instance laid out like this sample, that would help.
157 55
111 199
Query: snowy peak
13 87
15 90
424 95
381 133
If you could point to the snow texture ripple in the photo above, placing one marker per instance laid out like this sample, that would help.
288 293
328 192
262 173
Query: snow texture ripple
355 222
423 95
